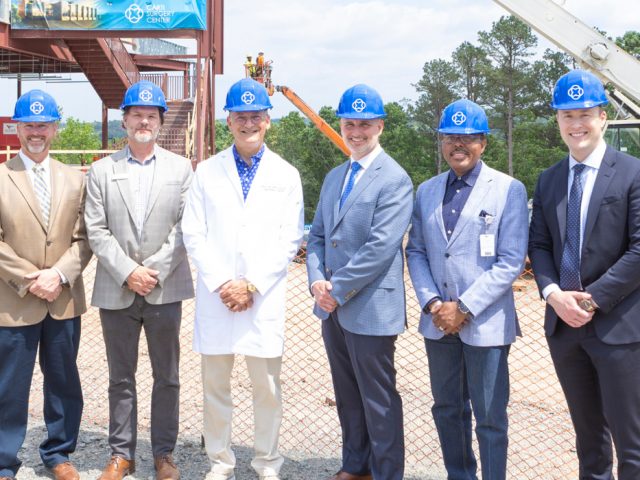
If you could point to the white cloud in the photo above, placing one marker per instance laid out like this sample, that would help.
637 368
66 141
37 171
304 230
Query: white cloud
322 47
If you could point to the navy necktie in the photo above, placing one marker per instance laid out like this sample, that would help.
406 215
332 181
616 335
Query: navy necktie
570 264
355 167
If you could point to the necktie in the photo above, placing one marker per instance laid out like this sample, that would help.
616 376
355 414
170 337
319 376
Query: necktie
355 167
570 264
42 191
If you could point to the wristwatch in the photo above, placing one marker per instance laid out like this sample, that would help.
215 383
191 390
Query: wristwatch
251 288
463 308
587 305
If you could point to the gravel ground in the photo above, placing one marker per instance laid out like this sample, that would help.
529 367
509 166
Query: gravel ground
92 454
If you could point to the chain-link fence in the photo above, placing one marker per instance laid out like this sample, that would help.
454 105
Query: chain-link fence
540 431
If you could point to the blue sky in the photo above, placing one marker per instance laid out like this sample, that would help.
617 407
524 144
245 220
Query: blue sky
322 47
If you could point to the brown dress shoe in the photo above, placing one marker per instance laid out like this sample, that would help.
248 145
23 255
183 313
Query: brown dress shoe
342 475
165 468
65 471
118 468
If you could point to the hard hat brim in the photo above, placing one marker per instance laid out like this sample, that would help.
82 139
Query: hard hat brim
361 116
36 118
463 131
248 108
578 105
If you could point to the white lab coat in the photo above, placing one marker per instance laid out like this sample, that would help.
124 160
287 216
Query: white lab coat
229 238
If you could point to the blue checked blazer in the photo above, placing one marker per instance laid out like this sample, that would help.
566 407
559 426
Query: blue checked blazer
454 269
358 248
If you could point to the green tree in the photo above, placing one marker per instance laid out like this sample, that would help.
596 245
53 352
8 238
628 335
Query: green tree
76 135
437 88
409 147
630 42
472 63
511 77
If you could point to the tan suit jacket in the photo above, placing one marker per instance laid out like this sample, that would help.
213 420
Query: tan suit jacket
28 245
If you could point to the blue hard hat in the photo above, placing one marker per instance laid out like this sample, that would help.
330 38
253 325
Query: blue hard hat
361 102
578 89
144 94
247 95
463 117
36 106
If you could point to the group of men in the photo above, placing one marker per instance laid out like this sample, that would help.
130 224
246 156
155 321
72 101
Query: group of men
240 220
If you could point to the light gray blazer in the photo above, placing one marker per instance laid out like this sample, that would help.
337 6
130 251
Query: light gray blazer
454 269
114 239
359 247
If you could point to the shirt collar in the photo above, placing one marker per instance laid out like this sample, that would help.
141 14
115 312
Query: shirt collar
469 178
131 158
254 158
593 160
366 161
28 163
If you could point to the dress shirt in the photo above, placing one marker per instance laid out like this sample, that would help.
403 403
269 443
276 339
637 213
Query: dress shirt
456 195
365 162
141 180
29 164
245 172
46 164
592 164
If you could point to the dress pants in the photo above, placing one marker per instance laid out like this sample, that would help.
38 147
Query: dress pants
58 341
267 411
465 376
602 386
121 330
368 403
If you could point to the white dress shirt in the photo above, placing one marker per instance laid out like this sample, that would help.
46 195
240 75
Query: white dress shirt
592 164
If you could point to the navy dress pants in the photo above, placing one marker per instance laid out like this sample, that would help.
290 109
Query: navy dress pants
58 341
368 403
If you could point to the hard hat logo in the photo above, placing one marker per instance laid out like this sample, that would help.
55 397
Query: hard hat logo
133 13
248 98
145 95
359 105
575 92
36 108
458 118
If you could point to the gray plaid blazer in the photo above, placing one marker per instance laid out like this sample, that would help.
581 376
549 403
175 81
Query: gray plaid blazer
114 239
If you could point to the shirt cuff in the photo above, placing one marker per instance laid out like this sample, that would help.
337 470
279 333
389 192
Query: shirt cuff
63 279
549 289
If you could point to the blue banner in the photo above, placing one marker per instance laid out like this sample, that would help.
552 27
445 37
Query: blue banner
108 14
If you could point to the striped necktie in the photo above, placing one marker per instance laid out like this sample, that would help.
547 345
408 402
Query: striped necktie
42 191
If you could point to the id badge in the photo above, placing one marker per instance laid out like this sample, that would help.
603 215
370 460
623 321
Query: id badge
487 245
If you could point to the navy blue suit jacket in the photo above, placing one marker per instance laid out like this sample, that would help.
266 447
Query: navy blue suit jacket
610 261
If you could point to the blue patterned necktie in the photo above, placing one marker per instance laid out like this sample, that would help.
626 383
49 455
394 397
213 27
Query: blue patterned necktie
355 167
42 191
570 264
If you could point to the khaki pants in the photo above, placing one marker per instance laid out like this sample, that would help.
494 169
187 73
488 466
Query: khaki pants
267 410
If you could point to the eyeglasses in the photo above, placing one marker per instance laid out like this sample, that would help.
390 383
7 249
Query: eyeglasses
464 139
244 119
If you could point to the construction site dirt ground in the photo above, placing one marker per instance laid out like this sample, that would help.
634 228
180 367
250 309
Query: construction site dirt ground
541 435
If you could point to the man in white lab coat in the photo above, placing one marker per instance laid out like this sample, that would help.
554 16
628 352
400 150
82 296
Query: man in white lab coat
242 225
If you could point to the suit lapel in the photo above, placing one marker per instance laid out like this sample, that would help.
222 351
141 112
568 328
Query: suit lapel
438 197
231 171
58 186
369 175
478 192
337 192
560 198
18 175
122 180
606 173
161 171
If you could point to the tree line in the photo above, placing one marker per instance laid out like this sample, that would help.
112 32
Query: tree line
499 71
